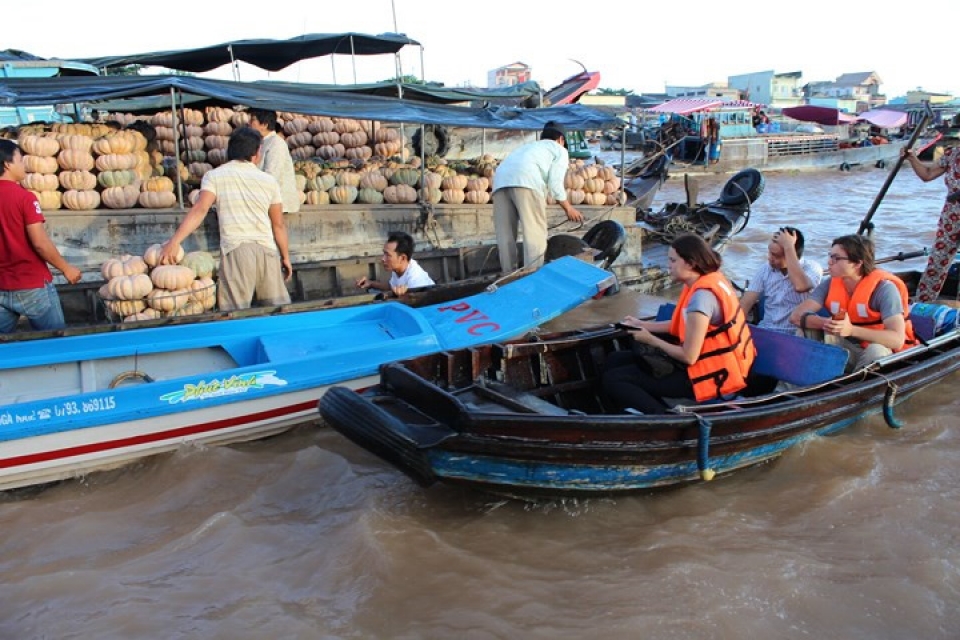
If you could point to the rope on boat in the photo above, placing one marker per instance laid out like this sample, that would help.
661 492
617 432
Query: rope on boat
703 449
134 374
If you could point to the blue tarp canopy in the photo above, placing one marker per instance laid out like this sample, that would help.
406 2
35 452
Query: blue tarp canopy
295 98
272 55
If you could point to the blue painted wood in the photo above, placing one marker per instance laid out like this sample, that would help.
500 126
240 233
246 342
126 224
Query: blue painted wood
275 354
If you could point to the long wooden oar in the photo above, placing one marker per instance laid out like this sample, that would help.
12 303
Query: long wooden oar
924 121
903 256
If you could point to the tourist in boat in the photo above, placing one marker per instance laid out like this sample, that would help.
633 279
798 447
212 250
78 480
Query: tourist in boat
405 272
948 228
254 253
707 342
275 157
783 282
26 284
520 186
868 306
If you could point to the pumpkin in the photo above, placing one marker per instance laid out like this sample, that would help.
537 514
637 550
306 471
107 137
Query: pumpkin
118 142
200 262
172 276
431 180
40 146
405 177
49 200
122 178
168 299
343 194
120 197
146 314
369 195
572 180
75 141
125 265
400 194
152 255
116 161
41 164
431 195
477 183
477 197
76 200
203 288
593 185
158 183
157 199
453 196
454 182
575 196
129 287
125 308
40 182
75 160
191 308
318 197
77 180
596 198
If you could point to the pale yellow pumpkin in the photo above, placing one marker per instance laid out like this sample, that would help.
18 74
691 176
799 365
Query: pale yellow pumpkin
172 276
77 180
116 161
455 182
152 255
343 194
77 200
125 308
147 314
41 164
400 194
158 183
75 160
125 265
453 196
49 200
476 197
168 299
129 287
40 146
40 182
120 197
431 195
318 197
157 199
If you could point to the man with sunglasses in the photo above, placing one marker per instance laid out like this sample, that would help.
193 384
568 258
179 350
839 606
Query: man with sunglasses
868 306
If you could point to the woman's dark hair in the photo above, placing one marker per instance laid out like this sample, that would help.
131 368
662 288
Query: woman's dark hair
244 143
859 249
697 253
148 130
265 117
8 149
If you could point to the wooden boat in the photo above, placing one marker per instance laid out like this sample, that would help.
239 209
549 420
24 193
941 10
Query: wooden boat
527 418
78 404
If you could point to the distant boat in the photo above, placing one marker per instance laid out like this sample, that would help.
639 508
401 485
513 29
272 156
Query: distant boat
77 404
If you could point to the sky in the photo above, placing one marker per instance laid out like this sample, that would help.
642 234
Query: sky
635 45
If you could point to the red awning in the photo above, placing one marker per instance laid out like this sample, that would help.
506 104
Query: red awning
885 118
686 106
820 115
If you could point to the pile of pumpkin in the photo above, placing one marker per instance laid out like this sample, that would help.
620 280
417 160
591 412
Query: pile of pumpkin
81 167
140 288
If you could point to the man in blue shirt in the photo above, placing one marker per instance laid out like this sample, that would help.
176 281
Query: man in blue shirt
520 188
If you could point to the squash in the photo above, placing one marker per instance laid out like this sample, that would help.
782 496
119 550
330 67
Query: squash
116 161
49 200
454 182
157 199
368 195
129 287
74 160
108 179
147 314
172 276
120 197
125 308
405 177
191 308
200 262
77 180
168 299
476 197
400 194
373 180
41 164
318 197
453 196
477 183
40 182
572 180
125 265
152 255
348 179
159 183
343 194
76 142
431 195
42 146
81 200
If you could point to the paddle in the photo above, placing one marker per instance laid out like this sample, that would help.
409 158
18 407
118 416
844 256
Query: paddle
924 121
903 256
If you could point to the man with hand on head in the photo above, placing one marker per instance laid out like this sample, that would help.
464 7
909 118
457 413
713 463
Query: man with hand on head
784 281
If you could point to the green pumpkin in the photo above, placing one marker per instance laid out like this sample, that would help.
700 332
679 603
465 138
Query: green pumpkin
369 195
109 179
201 262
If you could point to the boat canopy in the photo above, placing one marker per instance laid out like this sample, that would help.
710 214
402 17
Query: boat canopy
885 118
272 55
827 116
295 98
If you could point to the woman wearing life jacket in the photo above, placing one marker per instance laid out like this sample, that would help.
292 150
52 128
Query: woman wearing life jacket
707 340
868 306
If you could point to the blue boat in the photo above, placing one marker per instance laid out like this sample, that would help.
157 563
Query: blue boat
76 404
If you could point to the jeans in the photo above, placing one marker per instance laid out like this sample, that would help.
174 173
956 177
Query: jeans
40 306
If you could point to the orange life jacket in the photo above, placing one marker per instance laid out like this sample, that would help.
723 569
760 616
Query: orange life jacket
728 351
857 306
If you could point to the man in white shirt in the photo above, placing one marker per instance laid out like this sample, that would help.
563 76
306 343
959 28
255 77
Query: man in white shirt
784 281
520 187
398 261
275 157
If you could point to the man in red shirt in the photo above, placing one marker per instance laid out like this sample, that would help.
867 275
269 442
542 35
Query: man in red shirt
26 284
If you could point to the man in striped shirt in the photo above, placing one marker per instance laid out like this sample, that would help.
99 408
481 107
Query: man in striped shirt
783 282
254 253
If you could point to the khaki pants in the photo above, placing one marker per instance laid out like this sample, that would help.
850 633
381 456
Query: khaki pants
513 205
251 271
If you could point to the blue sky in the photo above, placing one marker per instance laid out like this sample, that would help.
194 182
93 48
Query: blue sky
635 45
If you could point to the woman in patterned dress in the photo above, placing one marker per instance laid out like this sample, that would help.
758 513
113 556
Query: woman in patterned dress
948 229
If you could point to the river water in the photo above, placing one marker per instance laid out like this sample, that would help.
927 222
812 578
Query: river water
305 535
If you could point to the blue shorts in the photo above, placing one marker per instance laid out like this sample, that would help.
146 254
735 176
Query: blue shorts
40 306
